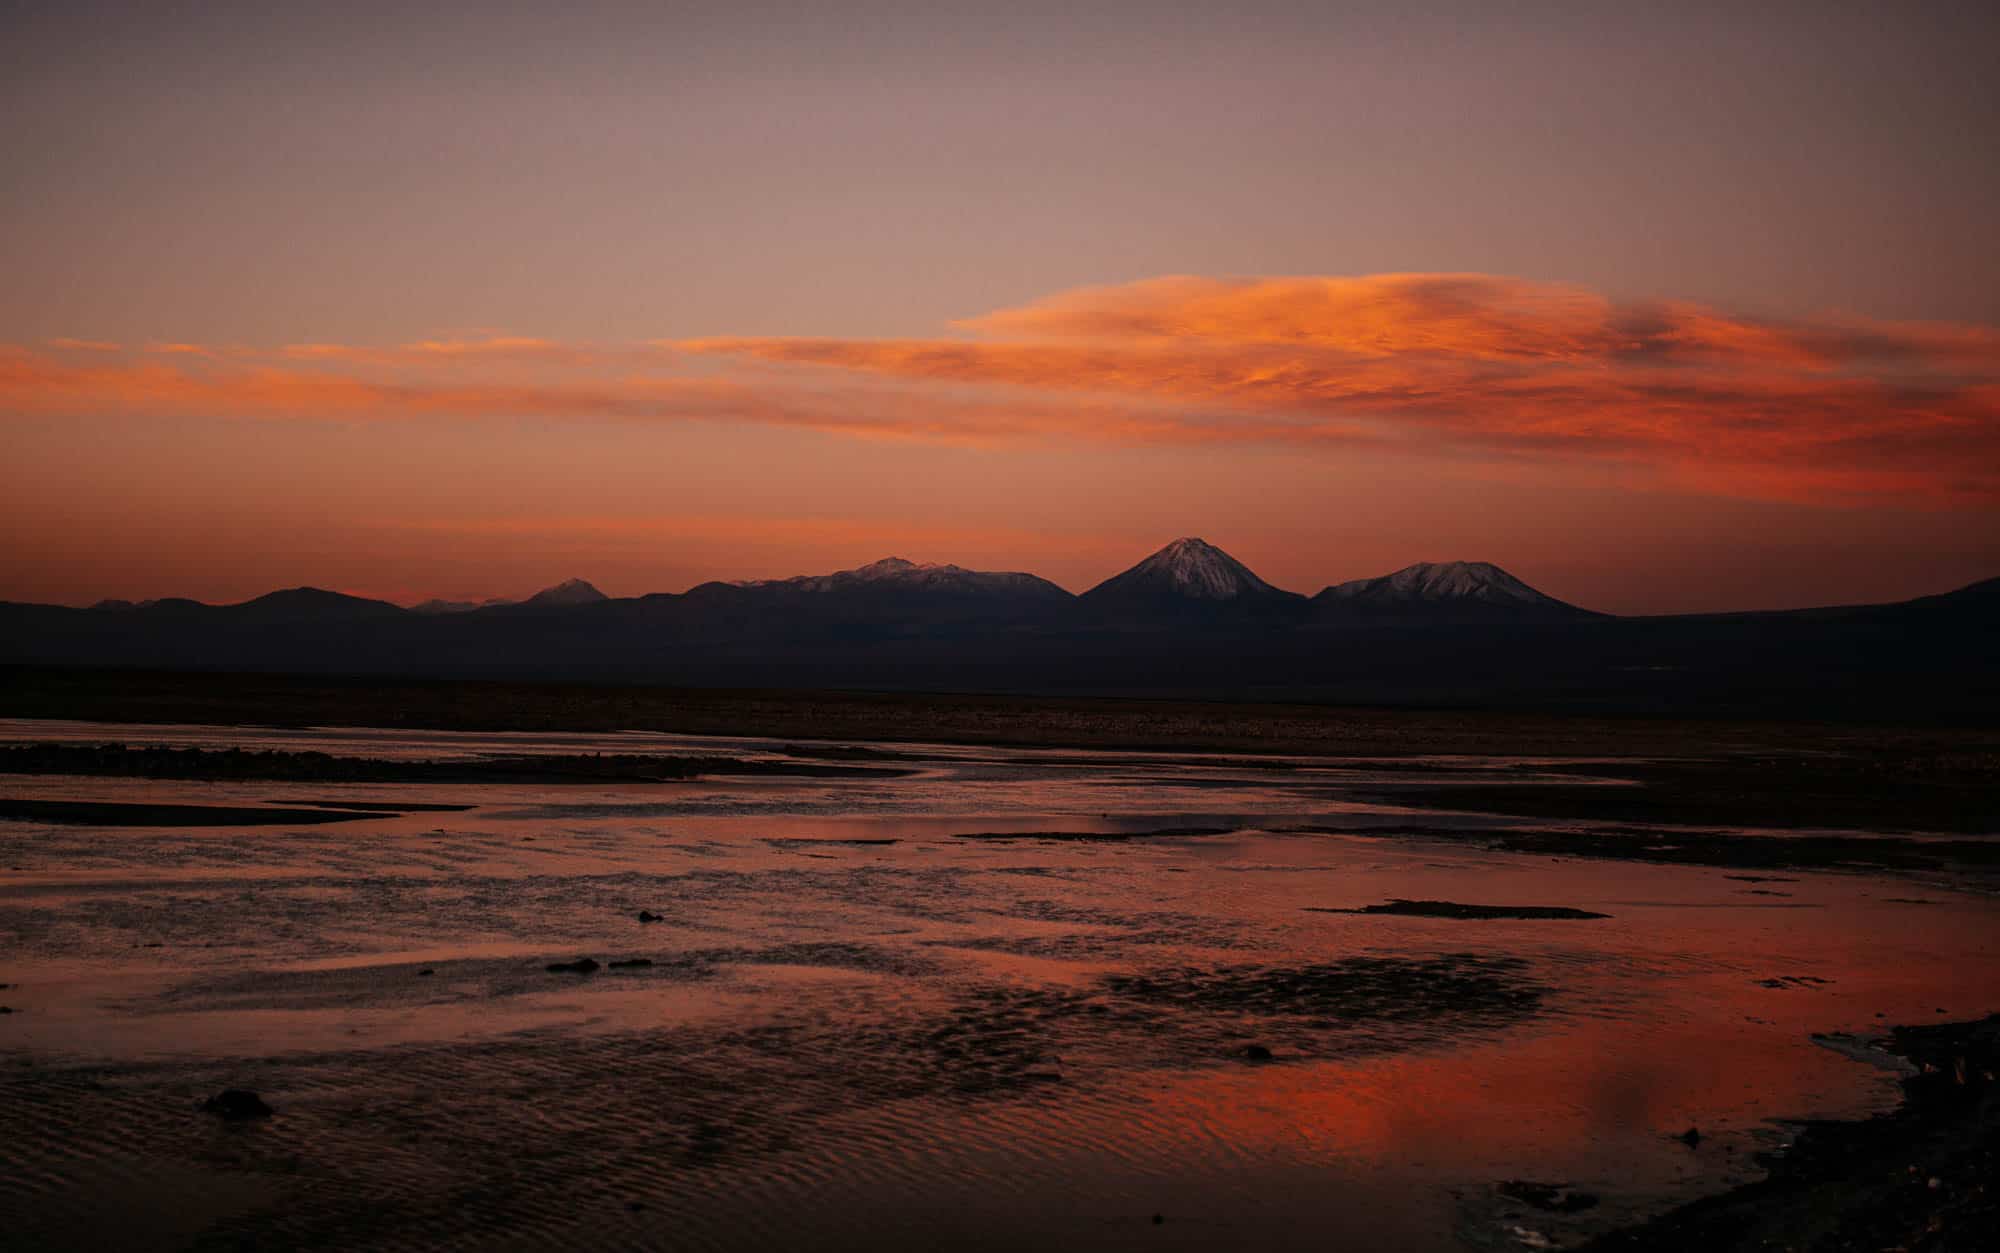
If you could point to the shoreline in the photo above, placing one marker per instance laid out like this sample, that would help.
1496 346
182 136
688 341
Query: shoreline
1923 1178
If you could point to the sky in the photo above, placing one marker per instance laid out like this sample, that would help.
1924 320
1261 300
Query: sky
1664 308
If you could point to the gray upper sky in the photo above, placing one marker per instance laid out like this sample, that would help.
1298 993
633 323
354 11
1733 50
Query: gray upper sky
359 172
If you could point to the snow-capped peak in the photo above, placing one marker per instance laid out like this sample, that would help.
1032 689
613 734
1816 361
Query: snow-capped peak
1443 581
1197 569
567 592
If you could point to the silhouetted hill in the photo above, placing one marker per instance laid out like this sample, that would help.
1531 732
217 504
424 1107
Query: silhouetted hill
303 604
1978 601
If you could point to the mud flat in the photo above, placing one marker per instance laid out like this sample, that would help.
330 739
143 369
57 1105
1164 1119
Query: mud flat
120 814
123 761
765 1012
1926 1177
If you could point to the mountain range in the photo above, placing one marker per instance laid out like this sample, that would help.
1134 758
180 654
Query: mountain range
1188 620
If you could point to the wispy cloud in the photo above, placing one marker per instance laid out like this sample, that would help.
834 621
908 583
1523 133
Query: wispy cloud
1829 408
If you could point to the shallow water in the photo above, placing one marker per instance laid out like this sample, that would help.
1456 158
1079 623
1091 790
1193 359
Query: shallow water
862 1029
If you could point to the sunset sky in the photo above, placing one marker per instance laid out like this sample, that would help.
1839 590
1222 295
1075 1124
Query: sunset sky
1662 307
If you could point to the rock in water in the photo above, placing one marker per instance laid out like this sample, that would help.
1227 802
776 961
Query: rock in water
236 1105
581 966
1556 1198
647 915
1257 1053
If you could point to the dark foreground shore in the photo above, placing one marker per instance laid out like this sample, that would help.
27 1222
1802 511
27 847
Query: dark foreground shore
1925 1179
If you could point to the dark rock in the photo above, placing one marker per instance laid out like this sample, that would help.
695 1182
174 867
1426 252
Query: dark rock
425 973
1158 1219
1456 909
236 1105
647 915
6 1009
632 963
1691 1137
581 966
1257 1053
1556 1198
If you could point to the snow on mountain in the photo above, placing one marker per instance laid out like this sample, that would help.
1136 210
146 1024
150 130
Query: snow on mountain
897 573
1189 569
1443 583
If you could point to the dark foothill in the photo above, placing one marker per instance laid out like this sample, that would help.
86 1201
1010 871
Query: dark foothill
647 915
1556 1198
581 966
1691 1137
631 963
1257 1053
236 1105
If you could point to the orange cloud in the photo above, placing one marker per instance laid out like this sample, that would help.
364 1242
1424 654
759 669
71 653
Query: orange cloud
1805 408
1431 364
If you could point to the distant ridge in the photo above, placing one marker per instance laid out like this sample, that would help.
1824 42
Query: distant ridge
1189 620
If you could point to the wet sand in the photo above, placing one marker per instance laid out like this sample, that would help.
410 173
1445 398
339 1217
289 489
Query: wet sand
1169 993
